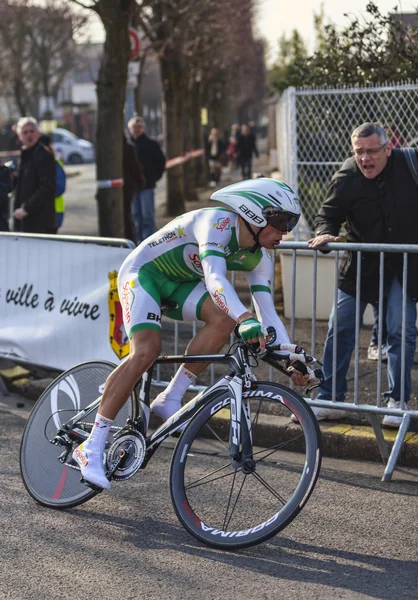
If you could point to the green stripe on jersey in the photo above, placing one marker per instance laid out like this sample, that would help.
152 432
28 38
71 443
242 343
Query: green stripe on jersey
260 288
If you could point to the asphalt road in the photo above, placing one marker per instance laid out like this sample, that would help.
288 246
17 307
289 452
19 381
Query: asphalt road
356 538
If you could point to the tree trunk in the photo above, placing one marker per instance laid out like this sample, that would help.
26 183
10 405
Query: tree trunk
190 166
173 85
138 89
111 95
201 171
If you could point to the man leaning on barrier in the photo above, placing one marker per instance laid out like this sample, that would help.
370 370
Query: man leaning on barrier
376 197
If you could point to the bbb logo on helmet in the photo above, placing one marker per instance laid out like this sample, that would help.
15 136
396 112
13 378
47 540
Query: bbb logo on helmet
250 214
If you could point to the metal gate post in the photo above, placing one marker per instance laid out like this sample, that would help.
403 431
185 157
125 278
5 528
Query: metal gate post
393 458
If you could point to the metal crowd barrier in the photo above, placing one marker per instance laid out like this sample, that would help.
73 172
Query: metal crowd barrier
373 412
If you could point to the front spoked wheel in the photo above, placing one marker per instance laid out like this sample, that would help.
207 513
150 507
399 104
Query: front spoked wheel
50 475
229 507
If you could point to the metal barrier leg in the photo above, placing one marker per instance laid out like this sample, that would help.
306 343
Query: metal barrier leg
3 388
380 439
393 458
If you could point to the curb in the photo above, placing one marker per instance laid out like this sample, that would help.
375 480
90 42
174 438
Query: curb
342 440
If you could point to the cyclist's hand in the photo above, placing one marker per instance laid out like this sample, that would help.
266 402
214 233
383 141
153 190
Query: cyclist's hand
301 379
252 331
301 374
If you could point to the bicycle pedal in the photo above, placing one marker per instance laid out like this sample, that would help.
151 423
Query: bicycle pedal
93 486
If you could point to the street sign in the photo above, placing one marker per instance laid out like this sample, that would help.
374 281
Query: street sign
135 43
133 72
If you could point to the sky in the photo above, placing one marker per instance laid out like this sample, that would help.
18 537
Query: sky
276 17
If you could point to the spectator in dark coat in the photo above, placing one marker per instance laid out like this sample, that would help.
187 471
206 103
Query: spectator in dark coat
152 159
246 147
374 194
34 197
133 182
5 188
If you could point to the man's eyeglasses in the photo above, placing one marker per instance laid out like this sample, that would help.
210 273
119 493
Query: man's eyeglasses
370 151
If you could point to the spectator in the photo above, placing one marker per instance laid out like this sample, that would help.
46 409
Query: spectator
246 148
34 198
6 187
232 149
376 197
152 160
215 150
45 140
133 182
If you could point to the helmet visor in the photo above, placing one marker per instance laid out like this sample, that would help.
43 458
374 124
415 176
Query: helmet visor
281 220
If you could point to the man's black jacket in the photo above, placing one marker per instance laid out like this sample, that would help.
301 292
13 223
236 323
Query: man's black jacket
151 158
35 189
380 210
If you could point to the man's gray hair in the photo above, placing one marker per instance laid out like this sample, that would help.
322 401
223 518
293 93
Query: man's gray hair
26 121
135 120
368 129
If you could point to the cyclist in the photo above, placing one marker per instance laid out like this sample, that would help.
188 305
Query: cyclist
187 262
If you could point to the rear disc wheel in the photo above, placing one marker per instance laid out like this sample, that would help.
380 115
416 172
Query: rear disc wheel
52 482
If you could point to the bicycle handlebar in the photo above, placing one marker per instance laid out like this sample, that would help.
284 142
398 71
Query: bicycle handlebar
294 354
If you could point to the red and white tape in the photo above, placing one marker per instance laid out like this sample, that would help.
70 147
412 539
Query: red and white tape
179 160
109 183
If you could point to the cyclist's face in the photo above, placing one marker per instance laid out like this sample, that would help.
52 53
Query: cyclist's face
270 237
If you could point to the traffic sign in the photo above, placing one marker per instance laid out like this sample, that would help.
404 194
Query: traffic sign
133 72
135 42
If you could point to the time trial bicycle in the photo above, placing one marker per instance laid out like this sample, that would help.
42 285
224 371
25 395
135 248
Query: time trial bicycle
231 480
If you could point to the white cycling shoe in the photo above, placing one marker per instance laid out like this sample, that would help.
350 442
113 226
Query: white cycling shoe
91 466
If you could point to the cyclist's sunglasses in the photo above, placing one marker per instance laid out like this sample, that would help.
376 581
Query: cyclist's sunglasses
280 221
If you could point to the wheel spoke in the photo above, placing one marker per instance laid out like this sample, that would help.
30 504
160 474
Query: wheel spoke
268 487
275 448
204 479
227 521
215 435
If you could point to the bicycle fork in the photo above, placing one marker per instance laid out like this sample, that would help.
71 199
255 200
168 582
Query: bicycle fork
240 437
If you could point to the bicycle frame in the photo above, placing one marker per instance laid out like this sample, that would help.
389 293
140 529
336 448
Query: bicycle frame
238 376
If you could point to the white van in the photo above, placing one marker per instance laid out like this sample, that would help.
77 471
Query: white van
70 148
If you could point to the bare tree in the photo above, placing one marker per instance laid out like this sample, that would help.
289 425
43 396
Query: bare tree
37 49
53 51
15 73
116 16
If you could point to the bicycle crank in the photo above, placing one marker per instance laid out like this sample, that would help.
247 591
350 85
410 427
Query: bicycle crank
126 455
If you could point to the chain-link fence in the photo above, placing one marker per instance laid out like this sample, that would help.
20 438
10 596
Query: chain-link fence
314 129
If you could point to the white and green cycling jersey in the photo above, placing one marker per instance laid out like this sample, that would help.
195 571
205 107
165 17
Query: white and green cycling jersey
186 261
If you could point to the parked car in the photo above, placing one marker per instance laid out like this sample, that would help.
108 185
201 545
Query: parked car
71 149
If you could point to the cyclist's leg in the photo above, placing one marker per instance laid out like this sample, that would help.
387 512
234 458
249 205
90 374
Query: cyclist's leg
142 319
193 302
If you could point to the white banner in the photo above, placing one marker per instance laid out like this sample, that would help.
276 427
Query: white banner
58 301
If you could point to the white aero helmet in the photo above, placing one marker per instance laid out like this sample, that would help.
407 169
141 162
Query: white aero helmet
262 202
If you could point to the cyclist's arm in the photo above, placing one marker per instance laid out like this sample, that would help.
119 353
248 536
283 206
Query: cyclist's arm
220 289
259 281
213 231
